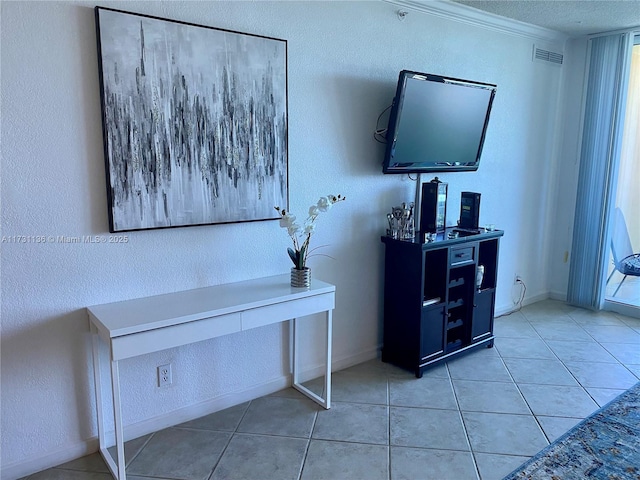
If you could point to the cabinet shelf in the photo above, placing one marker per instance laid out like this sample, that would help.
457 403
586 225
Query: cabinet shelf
452 346
456 283
455 324
455 303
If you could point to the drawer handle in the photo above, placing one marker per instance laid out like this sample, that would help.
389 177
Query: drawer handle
458 255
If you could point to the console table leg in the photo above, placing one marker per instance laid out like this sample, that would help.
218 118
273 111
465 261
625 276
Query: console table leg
117 415
327 375
294 351
295 381
97 380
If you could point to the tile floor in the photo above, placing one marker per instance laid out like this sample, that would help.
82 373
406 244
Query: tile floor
476 417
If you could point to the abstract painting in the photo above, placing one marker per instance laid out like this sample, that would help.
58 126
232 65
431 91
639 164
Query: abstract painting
194 122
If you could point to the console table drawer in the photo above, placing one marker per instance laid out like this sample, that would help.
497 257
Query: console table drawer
292 309
168 337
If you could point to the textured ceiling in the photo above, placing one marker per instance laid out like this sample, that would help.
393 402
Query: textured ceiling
572 17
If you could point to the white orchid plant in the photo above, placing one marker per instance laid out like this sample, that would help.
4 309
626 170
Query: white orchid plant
301 234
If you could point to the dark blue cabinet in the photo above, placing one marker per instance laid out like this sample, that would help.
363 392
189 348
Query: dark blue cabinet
434 307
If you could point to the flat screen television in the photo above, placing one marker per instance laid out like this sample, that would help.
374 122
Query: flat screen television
437 124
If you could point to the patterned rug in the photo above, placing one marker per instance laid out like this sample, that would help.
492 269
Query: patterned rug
604 446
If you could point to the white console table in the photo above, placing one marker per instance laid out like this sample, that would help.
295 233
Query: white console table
144 325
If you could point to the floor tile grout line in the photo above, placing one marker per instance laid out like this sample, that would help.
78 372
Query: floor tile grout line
439 449
416 407
389 476
462 422
231 436
556 355
443 449
219 459
626 365
59 469
584 388
535 418
156 477
309 438
244 414
353 442
304 459
139 450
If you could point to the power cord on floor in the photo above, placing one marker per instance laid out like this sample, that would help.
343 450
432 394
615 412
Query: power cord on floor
523 291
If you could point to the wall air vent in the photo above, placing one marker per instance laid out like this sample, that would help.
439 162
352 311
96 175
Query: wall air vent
543 55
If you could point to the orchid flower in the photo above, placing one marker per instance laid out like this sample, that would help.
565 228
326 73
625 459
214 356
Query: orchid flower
301 235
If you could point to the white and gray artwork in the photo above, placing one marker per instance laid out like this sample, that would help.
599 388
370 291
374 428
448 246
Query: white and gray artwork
195 122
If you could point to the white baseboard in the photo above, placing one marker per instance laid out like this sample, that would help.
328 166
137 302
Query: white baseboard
33 465
15 470
562 296
506 309
361 357
207 407
318 370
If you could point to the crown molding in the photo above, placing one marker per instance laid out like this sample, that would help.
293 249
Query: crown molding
634 31
472 16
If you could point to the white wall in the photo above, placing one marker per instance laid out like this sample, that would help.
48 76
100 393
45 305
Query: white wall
344 58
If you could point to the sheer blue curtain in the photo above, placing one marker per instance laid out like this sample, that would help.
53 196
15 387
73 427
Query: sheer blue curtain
599 157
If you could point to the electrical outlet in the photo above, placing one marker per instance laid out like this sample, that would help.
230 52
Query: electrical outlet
165 377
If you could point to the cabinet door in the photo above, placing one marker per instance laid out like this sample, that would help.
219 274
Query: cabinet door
482 315
431 332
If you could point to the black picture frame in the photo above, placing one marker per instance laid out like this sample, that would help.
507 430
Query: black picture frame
195 122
